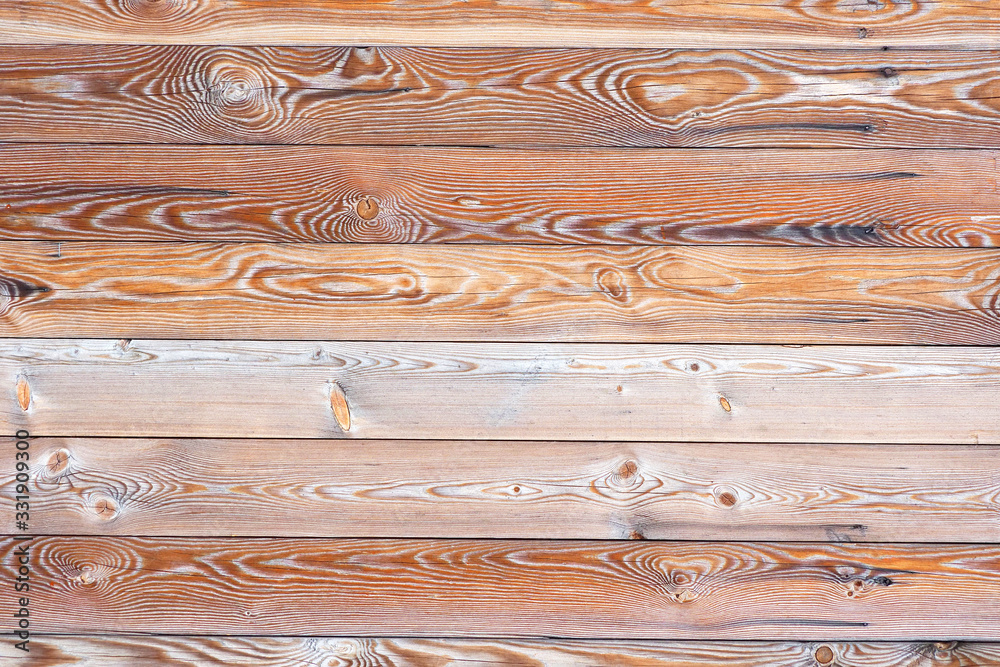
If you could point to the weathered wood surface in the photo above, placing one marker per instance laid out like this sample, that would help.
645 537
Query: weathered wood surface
128 651
502 391
614 590
477 196
544 490
954 24
466 292
519 97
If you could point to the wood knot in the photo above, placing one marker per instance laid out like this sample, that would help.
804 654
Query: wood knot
684 595
153 9
824 655
338 402
23 393
58 462
85 577
347 648
624 478
368 208
612 283
724 402
726 498
106 508
636 535
695 367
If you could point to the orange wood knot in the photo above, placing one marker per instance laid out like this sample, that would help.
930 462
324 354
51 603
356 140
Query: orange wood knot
153 9
106 508
338 401
368 208
613 283
628 470
58 462
824 655
727 498
724 402
23 393
636 535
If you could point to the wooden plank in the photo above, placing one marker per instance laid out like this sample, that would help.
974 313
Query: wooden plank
463 293
499 97
620 590
953 24
128 651
544 490
502 391
412 195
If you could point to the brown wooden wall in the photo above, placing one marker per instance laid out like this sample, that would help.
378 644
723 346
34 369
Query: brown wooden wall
536 332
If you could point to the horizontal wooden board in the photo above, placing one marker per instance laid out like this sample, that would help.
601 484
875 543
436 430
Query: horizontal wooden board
468 293
955 24
128 651
501 391
499 97
482 196
544 490
615 590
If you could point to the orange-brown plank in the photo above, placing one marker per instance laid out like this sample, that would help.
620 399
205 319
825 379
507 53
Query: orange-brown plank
413 195
129 651
478 489
502 588
955 24
510 293
500 97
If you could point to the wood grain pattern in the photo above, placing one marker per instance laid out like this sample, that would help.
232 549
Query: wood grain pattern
402 195
621 590
955 24
126 651
500 97
504 391
545 490
463 293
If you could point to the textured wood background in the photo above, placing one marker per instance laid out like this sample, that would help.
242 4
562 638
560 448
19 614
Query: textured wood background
429 333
